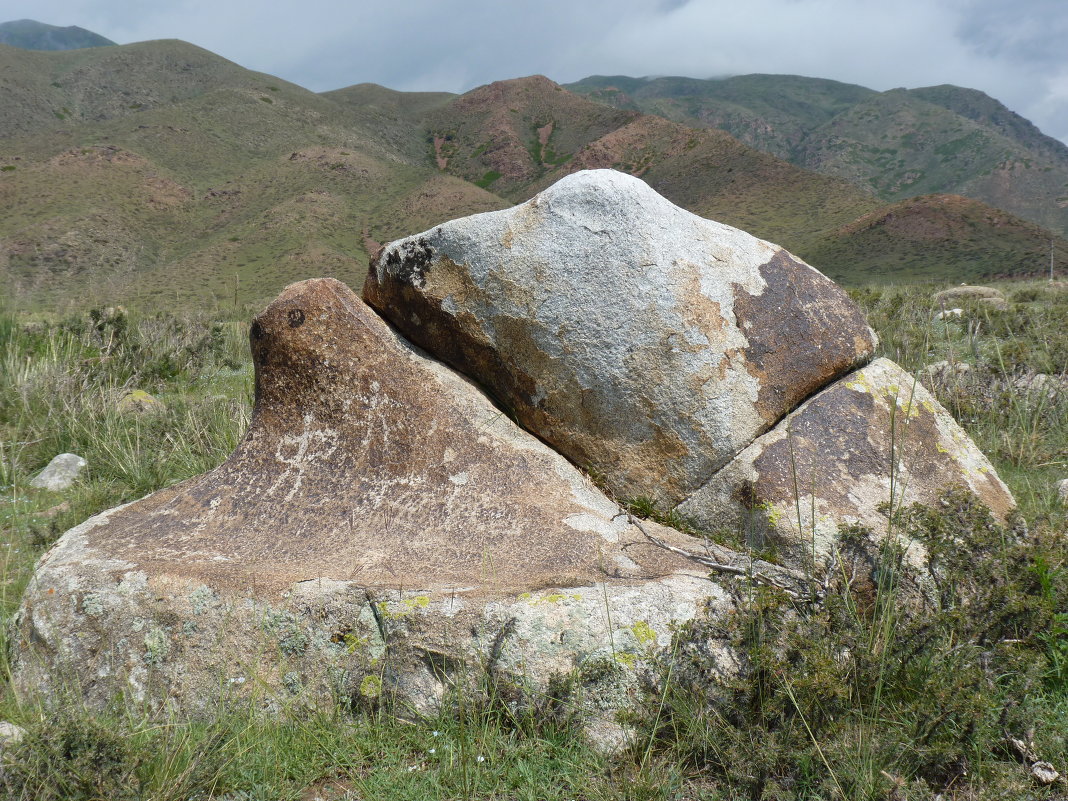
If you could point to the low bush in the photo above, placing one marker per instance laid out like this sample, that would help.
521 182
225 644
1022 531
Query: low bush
874 693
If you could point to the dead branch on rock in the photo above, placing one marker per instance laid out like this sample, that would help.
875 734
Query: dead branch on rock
807 595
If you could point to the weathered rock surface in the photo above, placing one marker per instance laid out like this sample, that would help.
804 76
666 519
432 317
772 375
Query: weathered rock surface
967 292
60 473
945 372
1041 385
382 529
636 338
1062 491
138 402
10 734
872 437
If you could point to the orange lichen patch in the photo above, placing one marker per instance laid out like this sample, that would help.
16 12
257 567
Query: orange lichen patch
845 450
697 310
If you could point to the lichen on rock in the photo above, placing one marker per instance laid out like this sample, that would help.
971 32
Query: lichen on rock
339 544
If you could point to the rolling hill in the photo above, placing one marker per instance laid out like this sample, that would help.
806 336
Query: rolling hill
215 177
942 237
518 136
159 173
33 35
896 144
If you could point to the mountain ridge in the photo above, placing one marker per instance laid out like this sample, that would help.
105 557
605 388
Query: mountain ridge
33 35
896 144
197 178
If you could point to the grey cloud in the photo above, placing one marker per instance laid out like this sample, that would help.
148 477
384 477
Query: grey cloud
1031 33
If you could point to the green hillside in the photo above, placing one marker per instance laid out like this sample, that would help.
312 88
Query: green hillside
33 35
896 144
158 173
503 131
510 134
944 238
393 117
769 112
985 110
239 180
43 91
521 135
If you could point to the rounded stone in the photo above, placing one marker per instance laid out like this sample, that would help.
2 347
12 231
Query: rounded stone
641 341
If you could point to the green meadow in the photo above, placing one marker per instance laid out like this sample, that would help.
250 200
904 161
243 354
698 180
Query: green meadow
856 697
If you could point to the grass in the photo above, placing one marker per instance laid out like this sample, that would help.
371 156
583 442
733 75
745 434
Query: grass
862 696
79 756
231 176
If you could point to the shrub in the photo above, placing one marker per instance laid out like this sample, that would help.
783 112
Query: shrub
68 758
869 692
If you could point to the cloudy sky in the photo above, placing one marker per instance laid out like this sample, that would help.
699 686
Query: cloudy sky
1014 50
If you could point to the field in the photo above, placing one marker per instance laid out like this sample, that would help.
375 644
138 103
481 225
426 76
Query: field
858 697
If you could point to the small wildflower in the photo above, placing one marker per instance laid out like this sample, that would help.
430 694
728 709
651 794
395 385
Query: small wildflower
435 733
480 758
432 751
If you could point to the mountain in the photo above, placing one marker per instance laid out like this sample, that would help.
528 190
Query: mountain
33 35
772 113
160 173
182 174
397 116
517 137
896 144
947 238
43 91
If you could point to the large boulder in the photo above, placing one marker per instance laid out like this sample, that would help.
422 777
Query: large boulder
386 529
644 343
383 528
873 441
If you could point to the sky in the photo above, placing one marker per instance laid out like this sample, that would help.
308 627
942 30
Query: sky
1014 50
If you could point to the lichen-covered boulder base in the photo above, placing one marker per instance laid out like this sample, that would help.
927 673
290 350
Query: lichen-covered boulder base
872 438
639 340
382 528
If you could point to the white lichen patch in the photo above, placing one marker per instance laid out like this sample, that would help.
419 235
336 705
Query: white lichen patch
93 604
201 598
157 646
595 524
